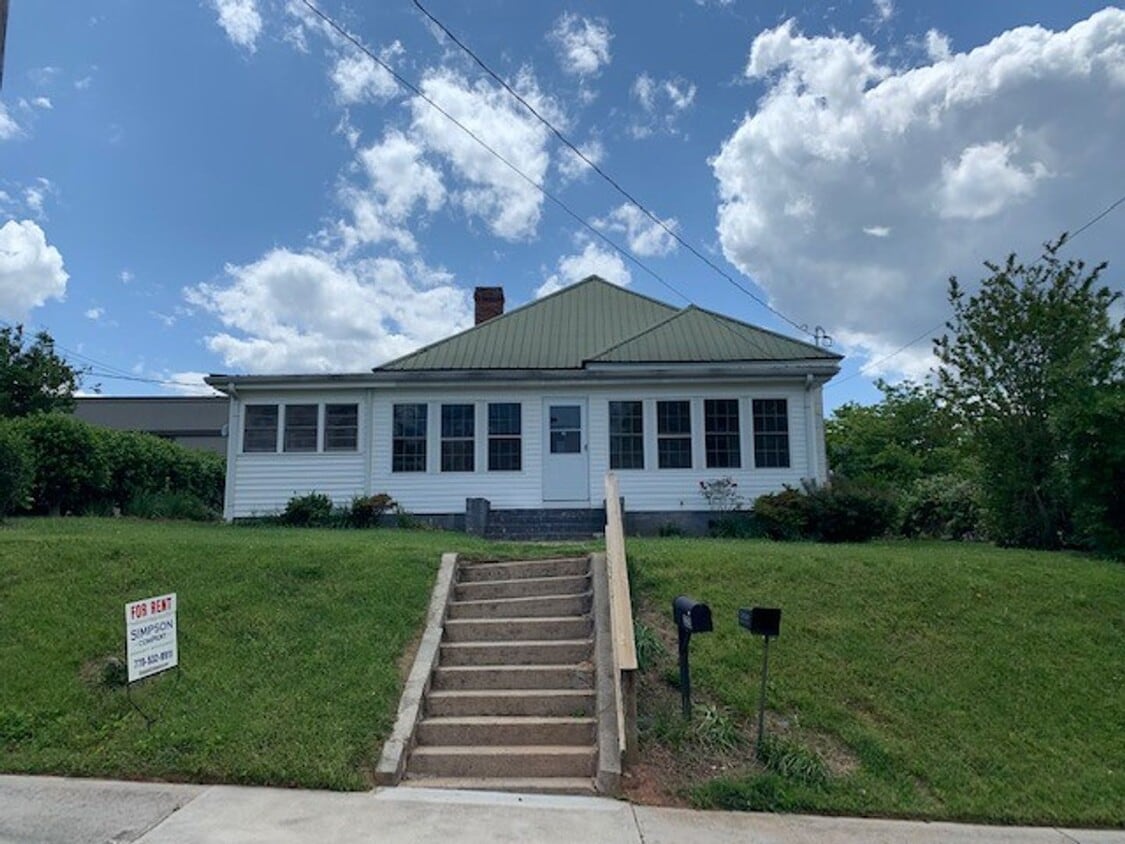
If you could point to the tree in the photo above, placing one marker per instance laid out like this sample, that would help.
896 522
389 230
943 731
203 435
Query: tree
907 436
1020 361
34 378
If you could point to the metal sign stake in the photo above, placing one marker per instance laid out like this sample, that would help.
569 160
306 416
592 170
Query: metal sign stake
762 696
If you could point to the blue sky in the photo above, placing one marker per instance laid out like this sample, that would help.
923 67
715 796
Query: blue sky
229 186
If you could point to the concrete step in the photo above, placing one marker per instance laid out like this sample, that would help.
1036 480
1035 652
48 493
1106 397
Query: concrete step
506 729
540 605
565 566
582 786
573 703
517 629
496 677
521 587
503 761
551 652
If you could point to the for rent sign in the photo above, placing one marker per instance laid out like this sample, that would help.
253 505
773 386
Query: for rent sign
150 636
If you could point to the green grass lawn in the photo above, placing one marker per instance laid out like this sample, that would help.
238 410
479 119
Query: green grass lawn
953 681
291 647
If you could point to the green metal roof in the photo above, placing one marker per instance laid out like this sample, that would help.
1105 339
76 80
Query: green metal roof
598 321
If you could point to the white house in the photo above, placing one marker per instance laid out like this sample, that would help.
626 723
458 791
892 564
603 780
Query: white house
531 408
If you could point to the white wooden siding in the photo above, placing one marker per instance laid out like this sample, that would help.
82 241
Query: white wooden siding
263 483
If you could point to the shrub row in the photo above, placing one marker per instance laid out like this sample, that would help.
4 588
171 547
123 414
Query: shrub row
316 510
55 463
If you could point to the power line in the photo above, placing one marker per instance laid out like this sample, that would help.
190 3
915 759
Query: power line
606 176
1070 237
491 150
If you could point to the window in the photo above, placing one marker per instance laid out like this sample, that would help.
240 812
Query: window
504 429
457 430
673 434
626 435
721 440
408 447
260 433
300 427
341 427
566 428
771 433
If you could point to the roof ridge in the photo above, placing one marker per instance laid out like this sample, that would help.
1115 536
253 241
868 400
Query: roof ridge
768 331
640 334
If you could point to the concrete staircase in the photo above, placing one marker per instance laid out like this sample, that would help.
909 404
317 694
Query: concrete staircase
511 701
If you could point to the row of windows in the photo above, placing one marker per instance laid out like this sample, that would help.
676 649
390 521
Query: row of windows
722 434
458 437
303 427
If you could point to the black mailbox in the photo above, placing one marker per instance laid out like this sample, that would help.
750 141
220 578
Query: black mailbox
761 621
691 615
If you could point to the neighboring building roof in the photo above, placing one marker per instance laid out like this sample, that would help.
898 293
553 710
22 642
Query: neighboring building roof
595 321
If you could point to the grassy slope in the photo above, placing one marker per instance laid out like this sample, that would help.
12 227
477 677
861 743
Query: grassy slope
290 647
970 682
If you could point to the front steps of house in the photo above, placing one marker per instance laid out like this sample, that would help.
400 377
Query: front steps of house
511 701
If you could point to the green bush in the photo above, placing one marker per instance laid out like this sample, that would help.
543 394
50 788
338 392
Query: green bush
71 472
17 469
843 512
142 463
169 505
367 509
311 510
941 507
783 515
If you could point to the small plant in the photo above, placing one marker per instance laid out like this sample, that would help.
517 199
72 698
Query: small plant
367 509
715 730
169 505
311 510
650 650
669 530
721 494
792 760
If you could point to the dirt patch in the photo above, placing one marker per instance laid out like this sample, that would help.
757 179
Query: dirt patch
104 672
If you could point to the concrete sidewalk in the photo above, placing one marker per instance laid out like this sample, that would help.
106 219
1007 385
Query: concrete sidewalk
35 810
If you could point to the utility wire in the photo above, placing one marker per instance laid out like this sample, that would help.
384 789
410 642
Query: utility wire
414 89
869 365
606 176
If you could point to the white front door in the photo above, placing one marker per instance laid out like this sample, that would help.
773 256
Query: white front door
565 471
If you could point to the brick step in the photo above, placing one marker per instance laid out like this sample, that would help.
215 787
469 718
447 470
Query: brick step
506 730
492 677
540 702
521 587
560 567
518 629
534 607
544 530
503 761
581 786
550 652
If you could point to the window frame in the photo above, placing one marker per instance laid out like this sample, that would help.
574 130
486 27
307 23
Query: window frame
505 437
308 444
248 429
418 459
680 437
725 439
620 438
327 428
768 442
455 456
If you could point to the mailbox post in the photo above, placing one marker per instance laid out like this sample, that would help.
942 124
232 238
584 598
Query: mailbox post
764 622
691 617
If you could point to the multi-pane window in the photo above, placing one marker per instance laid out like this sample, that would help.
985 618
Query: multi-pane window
408 438
721 438
504 432
566 429
771 433
341 427
673 434
457 431
626 435
300 427
260 432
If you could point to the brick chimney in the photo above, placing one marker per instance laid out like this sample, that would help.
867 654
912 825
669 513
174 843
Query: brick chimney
489 302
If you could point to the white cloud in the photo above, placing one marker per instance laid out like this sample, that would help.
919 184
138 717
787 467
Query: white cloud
358 78
241 21
971 156
8 126
646 238
83 83
662 104
43 103
594 259
187 384
582 44
491 190
884 10
126 276
308 312
572 168
94 313
938 46
31 270
36 195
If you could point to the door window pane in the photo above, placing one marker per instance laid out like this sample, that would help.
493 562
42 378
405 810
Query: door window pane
566 429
